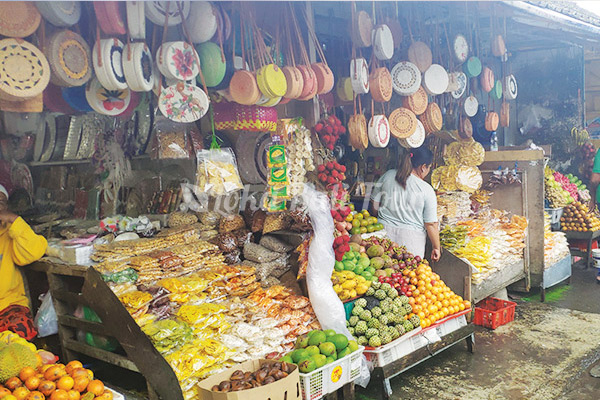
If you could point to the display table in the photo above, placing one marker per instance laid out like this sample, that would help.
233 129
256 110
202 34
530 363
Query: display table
589 237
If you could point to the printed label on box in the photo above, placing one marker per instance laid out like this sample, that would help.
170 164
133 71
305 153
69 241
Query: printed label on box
336 374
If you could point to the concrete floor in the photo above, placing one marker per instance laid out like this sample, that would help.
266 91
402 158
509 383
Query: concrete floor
546 353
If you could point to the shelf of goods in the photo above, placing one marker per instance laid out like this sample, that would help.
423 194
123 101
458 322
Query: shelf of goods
72 286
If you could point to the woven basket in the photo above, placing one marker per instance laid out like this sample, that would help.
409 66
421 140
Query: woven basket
357 129
24 70
18 19
380 83
70 59
417 102
255 118
420 55
403 123
491 121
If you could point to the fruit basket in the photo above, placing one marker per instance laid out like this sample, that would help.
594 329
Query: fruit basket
392 351
331 377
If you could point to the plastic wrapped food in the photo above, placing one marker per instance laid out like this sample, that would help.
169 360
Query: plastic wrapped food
276 222
168 334
208 235
258 221
231 223
180 218
217 172
227 242
125 276
242 236
259 254
172 144
275 244
233 257
209 218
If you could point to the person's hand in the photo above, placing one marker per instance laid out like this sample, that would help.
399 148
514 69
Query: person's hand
7 218
436 254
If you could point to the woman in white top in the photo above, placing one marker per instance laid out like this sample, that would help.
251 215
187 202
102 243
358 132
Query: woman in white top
407 206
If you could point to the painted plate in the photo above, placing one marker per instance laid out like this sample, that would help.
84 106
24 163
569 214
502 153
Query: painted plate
406 78
359 74
104 101
183 102
461 48
178 60
109 67
137 67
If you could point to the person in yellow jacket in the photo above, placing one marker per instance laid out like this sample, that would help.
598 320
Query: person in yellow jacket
19 246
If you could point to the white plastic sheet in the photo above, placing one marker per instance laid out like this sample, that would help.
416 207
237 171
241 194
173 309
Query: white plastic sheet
321 259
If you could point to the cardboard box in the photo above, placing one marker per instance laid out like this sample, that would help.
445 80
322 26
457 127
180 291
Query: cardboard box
287 388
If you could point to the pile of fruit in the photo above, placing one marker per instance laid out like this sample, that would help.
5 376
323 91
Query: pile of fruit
329 130
556 195
341 215
566 184
582 190
318 348
363 222
588 153
348 284
381 316
23 376
331 173
578 218
341 246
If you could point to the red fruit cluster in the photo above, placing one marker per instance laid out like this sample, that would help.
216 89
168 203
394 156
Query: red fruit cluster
331 173
340 212
329 130
341 245
399 282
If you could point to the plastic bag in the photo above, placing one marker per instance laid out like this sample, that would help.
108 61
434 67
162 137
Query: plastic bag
99 341
232 257
328 307
45 319
231 223
275 244
227 242
258 253
242 236
217 173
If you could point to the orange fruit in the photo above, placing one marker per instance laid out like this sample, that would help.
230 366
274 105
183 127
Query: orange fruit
26 373
4 392
21 393
47 387
96 386
65 383
81 383
73 395
71 366
45 368
54 373
107 395
77 372
13 383
35 395
33 382
59 395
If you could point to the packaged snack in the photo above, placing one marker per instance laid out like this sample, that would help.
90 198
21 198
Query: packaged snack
276 222
233 257
217 172
276 156
242 236
231 223
227 242
258 253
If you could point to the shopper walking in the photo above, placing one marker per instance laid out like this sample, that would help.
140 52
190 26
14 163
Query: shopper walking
407 205
19 245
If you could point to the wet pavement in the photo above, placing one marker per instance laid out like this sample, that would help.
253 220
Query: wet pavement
545 353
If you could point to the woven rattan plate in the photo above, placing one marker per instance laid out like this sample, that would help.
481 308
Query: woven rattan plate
403 123
24 70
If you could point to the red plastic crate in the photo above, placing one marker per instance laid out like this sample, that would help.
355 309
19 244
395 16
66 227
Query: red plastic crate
492 312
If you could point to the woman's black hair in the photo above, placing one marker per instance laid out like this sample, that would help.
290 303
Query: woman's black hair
414 159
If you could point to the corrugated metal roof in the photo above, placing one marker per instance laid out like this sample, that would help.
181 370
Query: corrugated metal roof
568 8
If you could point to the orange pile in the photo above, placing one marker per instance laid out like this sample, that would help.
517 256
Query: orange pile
430 298
55 382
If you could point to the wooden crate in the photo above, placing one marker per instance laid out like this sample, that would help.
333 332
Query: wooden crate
72 286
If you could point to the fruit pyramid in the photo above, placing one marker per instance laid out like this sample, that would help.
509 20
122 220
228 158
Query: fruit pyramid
578 218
